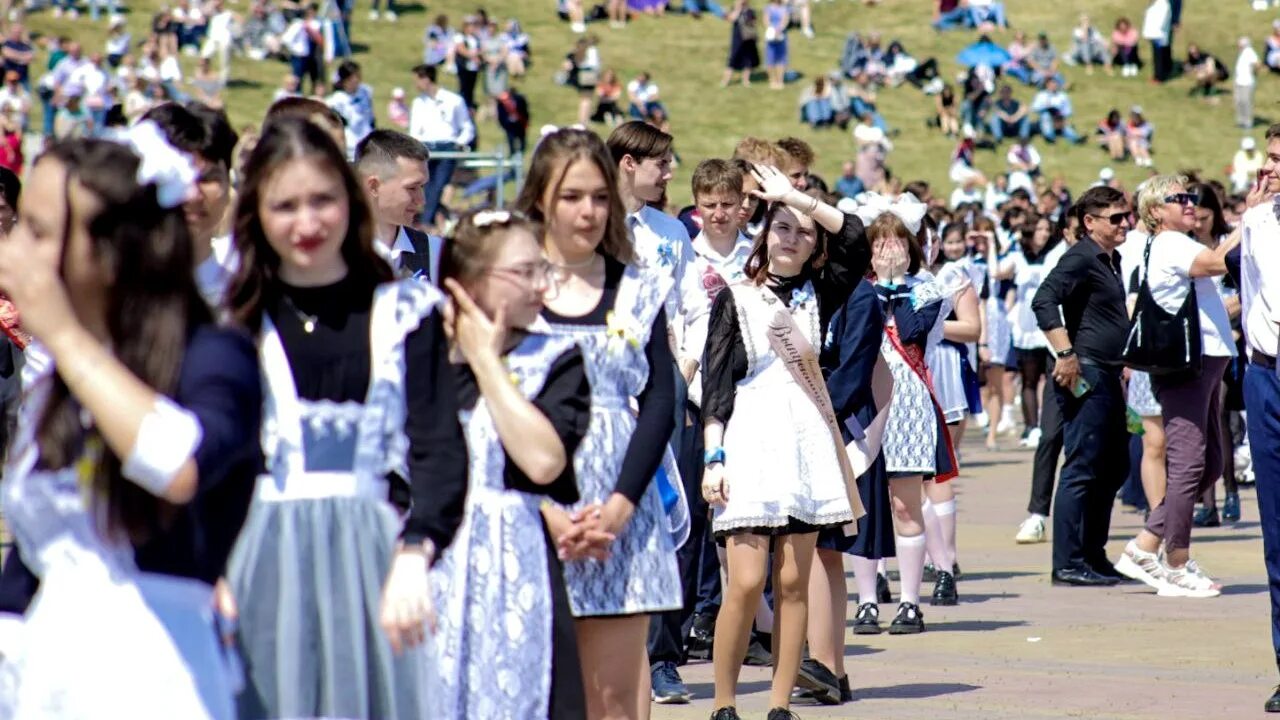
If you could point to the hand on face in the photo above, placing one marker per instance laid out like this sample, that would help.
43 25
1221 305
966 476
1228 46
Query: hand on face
773 184
474 333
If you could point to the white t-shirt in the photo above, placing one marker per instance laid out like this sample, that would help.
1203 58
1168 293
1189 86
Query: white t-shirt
1245 63
1260 290
1171 256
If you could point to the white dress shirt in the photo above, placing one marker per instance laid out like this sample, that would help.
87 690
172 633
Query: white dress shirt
215 272
357 110
393 253
441 119
663 241
1260 291
715 273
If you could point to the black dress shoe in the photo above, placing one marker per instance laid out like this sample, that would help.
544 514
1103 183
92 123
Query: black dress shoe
846 692
819 681
726 713
944 591
867 620
1273 702
701 637
883 596
758 654
1079 577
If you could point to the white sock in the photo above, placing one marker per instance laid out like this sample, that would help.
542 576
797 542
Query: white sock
910 566
934 540
864 575
1006 415
946 512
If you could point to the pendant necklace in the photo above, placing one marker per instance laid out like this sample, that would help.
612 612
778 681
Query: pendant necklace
308 321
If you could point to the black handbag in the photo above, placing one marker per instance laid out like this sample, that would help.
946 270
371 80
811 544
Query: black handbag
1162 344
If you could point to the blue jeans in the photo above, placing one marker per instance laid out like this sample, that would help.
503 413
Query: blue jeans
95 7
710 6
1050 134
818 112
859 107
440 171
1262 399
957 18
1001 129
1096 464
993 14
49 110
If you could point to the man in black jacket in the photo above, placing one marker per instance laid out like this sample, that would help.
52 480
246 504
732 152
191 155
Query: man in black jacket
1081 308
393 168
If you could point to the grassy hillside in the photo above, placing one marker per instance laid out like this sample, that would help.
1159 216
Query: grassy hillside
686 57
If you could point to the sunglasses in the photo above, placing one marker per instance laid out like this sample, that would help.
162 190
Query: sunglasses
1183 198
1117 218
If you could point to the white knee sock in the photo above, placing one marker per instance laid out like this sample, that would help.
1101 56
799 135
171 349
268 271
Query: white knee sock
935 541
910 566
946 512
864 574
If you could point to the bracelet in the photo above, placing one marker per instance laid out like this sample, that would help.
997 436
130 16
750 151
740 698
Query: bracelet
813 206
713 456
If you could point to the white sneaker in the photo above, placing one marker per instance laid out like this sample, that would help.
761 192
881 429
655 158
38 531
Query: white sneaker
981 420
1182 582
373 14
1194 568
1006 425
1031 531
578 27
1032 439
391 16
1141 565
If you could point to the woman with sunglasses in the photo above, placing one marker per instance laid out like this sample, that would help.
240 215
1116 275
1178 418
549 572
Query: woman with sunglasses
1190 402
525 404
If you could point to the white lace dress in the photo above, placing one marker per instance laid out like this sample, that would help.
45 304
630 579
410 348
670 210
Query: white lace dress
780 458
492 586
640 575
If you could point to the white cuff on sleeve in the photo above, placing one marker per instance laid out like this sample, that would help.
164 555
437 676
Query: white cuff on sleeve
167 438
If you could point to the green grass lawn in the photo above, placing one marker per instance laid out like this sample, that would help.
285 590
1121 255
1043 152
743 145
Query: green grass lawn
686 58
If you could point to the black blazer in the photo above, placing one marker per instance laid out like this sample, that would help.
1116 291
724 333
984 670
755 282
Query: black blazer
424 261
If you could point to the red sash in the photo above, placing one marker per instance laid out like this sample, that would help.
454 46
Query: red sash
914 356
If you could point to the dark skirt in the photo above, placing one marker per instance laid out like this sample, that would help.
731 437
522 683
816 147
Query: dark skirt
568 698
744 56
875 529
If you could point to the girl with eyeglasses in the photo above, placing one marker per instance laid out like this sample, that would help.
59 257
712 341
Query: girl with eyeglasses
505 642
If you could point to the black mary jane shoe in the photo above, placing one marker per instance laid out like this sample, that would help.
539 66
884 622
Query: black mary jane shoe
867 620
909 621
944 590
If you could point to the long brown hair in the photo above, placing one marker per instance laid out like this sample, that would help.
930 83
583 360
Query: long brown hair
551 161
153 306
757 265
283 141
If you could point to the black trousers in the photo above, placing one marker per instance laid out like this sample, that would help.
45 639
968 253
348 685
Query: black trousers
1045 469
1161 61
668 630
1097 445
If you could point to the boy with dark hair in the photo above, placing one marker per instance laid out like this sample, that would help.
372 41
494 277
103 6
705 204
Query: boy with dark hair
205 134
393 169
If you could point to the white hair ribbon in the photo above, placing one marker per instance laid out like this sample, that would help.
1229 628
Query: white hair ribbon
485 218
909 210
163 165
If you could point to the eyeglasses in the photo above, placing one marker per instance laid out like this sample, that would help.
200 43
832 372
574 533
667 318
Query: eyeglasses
1116 218
529 273
1183 198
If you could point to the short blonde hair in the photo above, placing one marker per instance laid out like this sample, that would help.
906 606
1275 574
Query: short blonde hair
760 152
1152 194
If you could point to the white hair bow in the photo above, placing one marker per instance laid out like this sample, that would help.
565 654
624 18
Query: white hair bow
906 206
163 165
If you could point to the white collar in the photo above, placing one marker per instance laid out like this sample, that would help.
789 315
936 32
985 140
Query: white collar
703 248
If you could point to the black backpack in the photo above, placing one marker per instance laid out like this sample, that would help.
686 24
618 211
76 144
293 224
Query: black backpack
1165 345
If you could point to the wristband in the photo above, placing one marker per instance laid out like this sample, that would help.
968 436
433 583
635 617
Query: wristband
1061 354
713 456
167 438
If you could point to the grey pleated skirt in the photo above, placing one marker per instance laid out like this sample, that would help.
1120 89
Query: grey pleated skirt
307 576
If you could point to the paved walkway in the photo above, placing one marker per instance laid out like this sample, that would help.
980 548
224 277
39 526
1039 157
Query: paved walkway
1017 647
